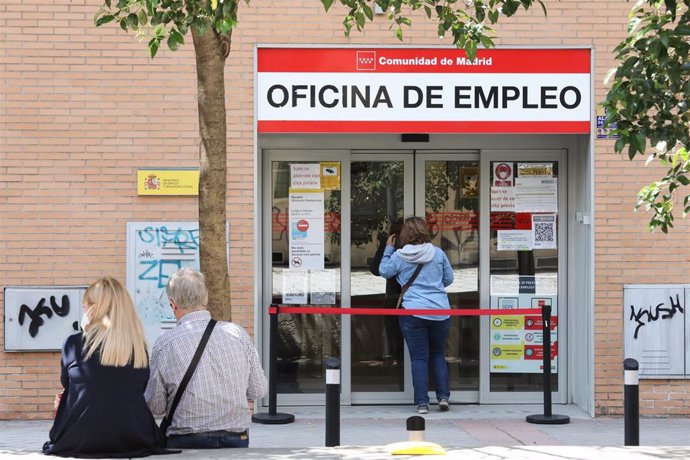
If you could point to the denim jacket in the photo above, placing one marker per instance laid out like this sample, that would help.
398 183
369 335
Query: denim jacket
427 291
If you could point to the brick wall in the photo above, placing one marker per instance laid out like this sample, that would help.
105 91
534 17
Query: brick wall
84 107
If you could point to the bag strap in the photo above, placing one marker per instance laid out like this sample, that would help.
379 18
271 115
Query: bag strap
167 420
408 284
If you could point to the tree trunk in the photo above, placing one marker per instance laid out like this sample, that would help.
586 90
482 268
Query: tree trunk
211 52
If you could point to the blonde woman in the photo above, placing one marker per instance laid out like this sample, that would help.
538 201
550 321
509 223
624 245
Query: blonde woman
102 412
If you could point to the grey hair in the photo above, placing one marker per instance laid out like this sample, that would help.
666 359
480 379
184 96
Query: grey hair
187 288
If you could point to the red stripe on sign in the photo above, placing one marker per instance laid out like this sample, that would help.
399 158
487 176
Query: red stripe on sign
422 60
448 127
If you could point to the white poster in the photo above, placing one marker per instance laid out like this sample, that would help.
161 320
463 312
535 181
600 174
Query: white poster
514 240
306 229
295 287
502 199
305 175
544 231
323 287
536 194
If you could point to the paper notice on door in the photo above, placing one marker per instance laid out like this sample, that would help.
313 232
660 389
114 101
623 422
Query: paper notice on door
514 240
306 210
295 287
305 175
536 194
544 228
323 287
503 199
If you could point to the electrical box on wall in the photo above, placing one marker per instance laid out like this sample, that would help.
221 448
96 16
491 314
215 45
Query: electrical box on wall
656 329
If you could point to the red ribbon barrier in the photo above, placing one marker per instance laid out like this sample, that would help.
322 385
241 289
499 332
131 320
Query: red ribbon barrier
319 310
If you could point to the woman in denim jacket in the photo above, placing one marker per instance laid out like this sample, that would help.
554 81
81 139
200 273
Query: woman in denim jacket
425 335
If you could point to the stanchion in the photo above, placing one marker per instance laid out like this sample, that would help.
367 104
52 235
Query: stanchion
547 418
631 402
415 428
332 402
273 417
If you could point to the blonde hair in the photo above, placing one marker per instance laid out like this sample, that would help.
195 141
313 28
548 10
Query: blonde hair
187 288
414 231
115 330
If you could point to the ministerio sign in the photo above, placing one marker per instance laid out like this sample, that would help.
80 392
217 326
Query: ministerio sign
393 90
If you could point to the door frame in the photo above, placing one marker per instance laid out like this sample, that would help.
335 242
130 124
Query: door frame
486 396
268 157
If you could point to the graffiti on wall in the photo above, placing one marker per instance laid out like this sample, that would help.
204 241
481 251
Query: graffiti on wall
41 318
155 251
655 328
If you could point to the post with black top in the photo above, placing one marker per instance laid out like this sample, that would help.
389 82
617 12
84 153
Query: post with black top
272 417
547 418
631 402
332 402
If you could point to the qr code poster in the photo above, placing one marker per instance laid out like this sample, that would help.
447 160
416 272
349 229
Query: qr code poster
544 231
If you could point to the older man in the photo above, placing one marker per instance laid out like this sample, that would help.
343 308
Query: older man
214 410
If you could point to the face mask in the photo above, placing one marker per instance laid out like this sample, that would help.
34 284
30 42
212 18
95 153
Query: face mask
84 320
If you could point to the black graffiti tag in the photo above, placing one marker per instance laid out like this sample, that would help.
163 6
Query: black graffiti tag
643 317
36 314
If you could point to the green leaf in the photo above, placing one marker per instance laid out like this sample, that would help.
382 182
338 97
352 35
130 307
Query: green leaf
683 29
368 12
620 143
493 16
427 10
172 43
683 180
132 20
176 36
154 44
399 33
327 4
143 19
104 19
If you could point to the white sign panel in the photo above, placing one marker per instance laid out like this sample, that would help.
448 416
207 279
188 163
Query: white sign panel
536 194
655 328
514 240
41 318
423 90
306 230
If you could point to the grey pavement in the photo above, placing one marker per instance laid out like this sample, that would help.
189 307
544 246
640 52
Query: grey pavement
487 432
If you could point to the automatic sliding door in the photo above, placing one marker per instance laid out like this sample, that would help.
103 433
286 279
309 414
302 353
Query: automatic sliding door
381 195
448 197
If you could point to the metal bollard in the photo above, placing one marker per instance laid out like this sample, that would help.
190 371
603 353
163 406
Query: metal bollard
332 402
415 428
631 402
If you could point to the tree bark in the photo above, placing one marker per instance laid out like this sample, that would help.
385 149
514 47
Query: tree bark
211 52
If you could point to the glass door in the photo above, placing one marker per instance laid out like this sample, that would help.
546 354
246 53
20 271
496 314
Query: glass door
381 196
525 268
302 241
447 195
385 188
